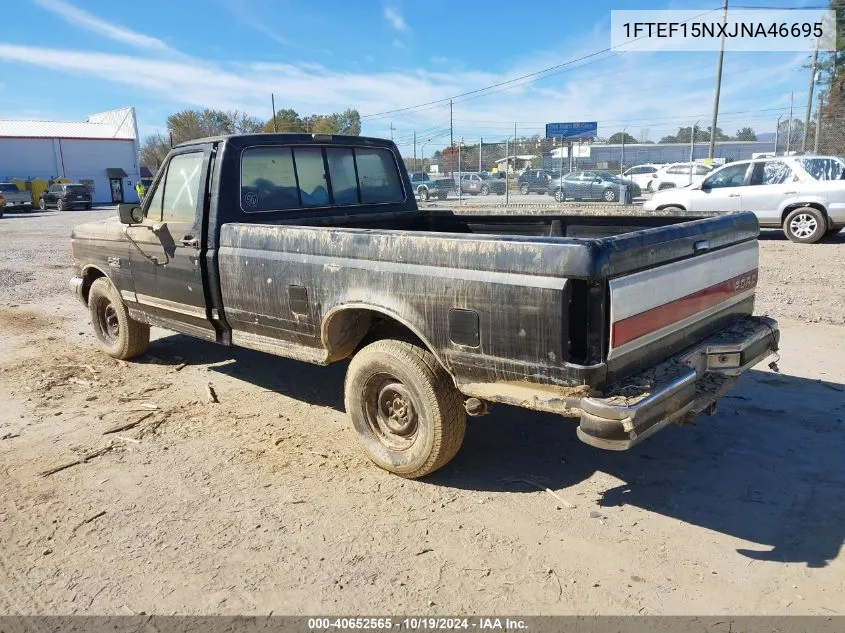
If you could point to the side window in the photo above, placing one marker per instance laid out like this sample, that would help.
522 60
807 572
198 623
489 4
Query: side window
702 170
154 209
732 176
311 172
182 188
776 172
342 173
268 180
378 177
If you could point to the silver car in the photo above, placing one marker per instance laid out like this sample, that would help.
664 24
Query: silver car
803 195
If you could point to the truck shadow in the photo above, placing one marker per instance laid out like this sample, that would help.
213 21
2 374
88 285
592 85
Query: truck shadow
767 468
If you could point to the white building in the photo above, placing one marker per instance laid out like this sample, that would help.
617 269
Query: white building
102 152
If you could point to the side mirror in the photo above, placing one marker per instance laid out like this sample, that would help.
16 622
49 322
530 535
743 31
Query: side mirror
130 213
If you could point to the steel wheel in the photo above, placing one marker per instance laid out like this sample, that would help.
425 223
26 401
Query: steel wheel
108 325
560 196
390 412
42 205
524 189
485 190
60 205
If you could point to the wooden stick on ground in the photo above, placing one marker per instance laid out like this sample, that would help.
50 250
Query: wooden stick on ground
81 460
127 426
89 520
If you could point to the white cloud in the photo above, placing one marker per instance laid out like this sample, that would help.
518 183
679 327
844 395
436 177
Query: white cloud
395 19
83 19
641 90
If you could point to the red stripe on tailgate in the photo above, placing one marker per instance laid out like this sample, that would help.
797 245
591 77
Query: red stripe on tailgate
633 327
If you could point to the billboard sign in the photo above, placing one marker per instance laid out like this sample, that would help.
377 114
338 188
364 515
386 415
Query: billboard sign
572 130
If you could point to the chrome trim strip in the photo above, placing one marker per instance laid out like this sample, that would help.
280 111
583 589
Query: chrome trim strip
172 306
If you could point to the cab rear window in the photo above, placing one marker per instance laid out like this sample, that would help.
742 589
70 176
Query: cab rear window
276 178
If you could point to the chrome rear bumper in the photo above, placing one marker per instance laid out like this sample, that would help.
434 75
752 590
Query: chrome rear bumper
678 388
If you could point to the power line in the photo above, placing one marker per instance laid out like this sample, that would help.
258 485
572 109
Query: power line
509 82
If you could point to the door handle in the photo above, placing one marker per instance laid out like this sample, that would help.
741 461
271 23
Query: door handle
790 193
190 241
733 195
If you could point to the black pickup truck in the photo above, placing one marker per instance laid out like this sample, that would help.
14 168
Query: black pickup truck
312 247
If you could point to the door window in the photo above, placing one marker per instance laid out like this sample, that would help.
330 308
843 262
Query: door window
342 173
377 176
153 213
182 188
731 176
268 179
772 172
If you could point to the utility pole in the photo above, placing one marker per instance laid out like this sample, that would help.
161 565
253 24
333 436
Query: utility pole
777 134
712 149
415 150
273 104
818 125
692 150
480 149
514 148
789 127
810 96
507 175
391 130
451 127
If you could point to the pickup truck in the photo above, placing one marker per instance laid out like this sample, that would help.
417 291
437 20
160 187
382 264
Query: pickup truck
426 186
312 247
15 198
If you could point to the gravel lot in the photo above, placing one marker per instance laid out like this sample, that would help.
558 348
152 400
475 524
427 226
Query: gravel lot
264 503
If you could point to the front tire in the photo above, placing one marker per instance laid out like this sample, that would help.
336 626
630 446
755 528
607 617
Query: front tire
42 205
610 195
422 194
60 205
560 195
805 225
119 335
485 190
407 413
523 189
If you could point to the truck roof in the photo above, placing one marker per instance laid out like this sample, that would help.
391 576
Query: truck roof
293 138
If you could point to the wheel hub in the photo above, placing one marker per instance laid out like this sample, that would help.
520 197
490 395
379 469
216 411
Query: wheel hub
109 324
396 411
803 225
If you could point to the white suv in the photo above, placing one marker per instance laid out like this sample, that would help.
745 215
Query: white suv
678 175
642 175
804 195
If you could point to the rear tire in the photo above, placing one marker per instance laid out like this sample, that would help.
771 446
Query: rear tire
524 189
560 195
60 205
407 413
42 205
119 335
805 225
610 195
422 194
485 190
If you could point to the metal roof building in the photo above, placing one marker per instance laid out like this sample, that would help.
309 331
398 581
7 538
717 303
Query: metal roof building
101 152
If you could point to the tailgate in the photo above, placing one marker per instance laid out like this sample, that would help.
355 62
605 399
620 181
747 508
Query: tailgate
680 302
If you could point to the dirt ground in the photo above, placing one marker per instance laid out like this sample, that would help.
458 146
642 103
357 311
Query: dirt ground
264 503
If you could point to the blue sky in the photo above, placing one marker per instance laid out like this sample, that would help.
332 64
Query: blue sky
74 57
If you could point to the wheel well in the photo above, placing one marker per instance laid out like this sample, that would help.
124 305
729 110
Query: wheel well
671 206
90 275
348 330
798 205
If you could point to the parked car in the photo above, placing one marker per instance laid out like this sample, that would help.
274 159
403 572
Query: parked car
642 175
427 186
534 181
15 198
792 193
481 183
313 247
65 196
678 175
593 185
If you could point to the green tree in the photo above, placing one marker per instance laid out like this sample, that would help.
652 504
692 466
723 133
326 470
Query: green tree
746 134
701 135
289 120
621 137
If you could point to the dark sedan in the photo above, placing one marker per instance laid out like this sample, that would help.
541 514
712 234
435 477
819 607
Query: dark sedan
481 183
593 185
65 196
